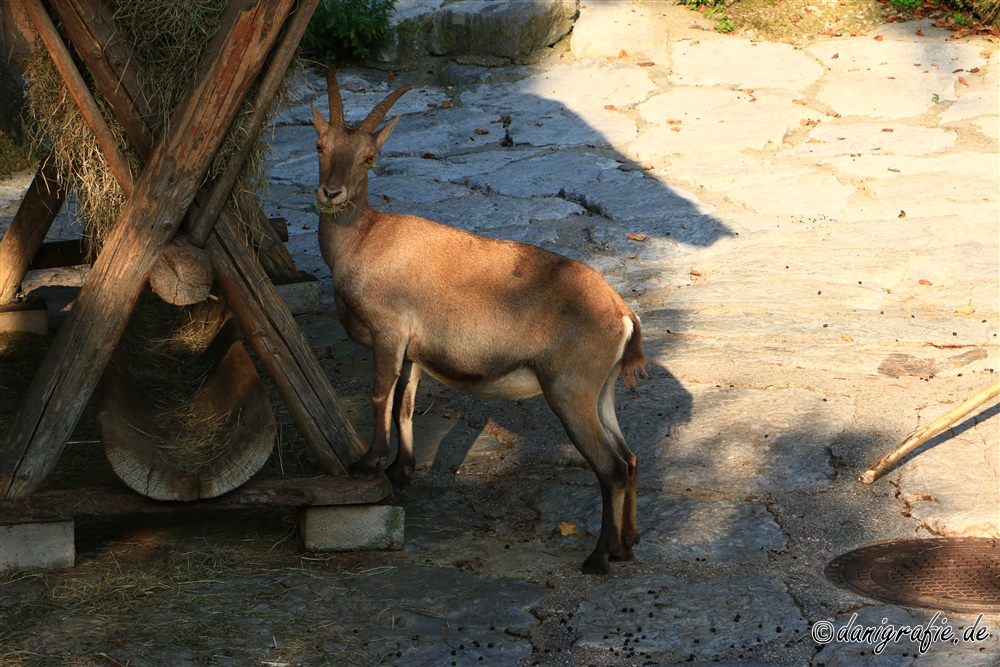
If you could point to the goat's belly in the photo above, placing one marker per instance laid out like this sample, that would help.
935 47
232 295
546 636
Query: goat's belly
522 383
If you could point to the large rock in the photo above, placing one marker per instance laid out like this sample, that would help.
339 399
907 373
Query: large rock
508 28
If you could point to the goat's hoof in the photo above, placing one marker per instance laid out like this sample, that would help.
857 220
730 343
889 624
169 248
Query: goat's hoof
630 539
596 564
362 469
625 555
397 475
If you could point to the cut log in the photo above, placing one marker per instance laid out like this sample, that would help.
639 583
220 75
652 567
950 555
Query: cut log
147 223
183 275
211 442
27 230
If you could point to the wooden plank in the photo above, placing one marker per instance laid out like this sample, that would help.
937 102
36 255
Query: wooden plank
147 222
69 503
269 326
41 204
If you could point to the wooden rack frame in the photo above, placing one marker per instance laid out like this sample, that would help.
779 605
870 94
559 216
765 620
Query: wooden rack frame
163 199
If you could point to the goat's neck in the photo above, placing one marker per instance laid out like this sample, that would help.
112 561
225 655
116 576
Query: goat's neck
338 232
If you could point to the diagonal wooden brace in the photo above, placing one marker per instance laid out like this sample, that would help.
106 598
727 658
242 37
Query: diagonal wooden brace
268 325
147 222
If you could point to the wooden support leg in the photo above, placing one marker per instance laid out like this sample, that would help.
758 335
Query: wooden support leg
27 230
284 351
148 222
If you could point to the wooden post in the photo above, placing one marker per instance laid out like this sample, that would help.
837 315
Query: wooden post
147 222
27 230
268 325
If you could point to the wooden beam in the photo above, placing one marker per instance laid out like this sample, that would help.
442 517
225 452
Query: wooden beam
90 28
268 325
148 221
78 89
41 204
69 503
283 349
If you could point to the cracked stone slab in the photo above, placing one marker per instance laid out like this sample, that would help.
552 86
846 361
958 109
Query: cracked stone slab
688 616
748 65
672 528
857 139
952 483
971 105
510 29
689 119
544 175
739 442
445 131
911 76
906 652
467 619
486 213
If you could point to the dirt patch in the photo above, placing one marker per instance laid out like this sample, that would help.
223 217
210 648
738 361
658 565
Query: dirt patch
803 20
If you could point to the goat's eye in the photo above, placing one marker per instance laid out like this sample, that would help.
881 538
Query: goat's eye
319 148
370 160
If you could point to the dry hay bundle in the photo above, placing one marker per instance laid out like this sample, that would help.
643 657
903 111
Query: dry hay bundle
167 39
183 413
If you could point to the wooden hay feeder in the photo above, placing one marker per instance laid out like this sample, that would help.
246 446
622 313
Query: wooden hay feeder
170 186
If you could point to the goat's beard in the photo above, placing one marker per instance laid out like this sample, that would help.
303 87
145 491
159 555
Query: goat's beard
331 209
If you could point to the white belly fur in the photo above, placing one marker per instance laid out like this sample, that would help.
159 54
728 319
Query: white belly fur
522 383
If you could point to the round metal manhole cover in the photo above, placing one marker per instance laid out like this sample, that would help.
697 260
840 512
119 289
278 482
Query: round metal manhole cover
950 574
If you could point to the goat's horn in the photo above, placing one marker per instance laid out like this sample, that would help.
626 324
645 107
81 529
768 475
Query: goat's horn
382 108
333 91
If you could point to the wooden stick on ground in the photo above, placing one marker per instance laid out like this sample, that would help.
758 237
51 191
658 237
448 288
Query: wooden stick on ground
925 433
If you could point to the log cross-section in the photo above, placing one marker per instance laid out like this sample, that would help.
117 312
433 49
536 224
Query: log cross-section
147 222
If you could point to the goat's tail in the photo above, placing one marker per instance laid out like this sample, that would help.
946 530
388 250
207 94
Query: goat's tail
633 359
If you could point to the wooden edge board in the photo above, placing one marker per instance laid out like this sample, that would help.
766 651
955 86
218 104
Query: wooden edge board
68 503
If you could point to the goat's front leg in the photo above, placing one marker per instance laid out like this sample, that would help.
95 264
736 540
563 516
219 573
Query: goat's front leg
402 467
388 362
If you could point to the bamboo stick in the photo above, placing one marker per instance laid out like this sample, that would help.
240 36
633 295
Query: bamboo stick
925 433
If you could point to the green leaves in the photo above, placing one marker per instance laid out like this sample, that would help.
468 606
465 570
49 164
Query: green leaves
347 31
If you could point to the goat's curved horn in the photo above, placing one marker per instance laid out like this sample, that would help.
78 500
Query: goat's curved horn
382 108
333 91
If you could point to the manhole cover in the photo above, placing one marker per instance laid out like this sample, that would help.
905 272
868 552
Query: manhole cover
950 574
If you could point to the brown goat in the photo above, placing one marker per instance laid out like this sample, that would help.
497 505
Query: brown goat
496 319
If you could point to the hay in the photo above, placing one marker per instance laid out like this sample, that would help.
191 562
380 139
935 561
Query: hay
170 368
168 40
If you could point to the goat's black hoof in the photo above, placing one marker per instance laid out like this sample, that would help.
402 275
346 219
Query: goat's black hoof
397 475
626 554
596 564
362 469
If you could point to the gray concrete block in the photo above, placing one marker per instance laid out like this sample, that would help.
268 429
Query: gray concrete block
353 528
29 546
301 296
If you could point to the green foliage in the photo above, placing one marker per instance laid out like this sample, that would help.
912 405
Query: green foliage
906 4
347 31
724 24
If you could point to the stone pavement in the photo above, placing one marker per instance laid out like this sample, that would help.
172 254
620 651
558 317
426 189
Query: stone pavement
810 237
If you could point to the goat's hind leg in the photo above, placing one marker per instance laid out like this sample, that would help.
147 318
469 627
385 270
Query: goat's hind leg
578 413
629 529
402 467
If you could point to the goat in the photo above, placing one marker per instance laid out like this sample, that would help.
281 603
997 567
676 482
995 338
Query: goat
494 318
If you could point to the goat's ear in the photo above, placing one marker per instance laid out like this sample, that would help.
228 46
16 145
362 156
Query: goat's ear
320 123
384 133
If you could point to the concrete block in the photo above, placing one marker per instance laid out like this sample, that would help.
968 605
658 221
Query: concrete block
28 316
28 546
353 528
301 296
